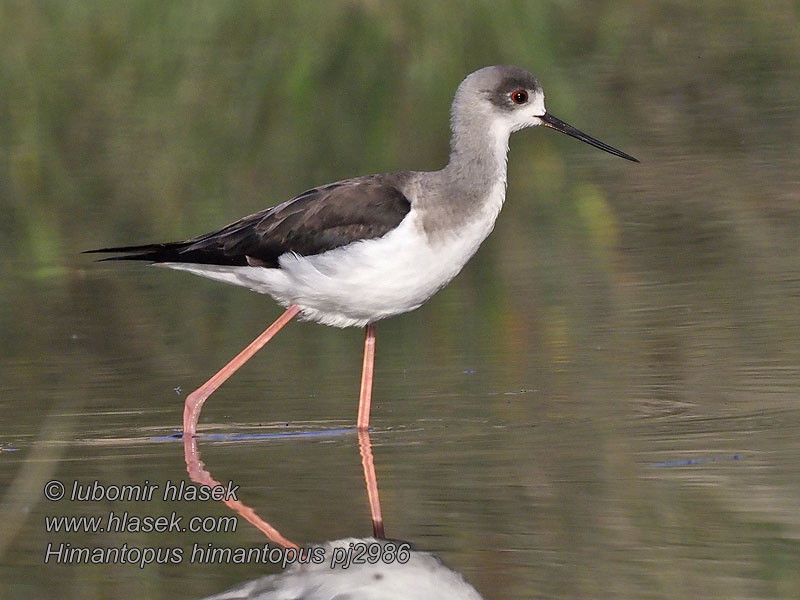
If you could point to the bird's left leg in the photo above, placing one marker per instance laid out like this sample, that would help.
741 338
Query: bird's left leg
195 400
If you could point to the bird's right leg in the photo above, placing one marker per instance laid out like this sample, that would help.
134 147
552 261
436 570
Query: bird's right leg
367 372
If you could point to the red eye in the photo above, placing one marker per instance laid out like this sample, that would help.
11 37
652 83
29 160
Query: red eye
519 97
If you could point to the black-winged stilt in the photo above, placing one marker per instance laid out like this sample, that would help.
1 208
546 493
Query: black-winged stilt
357 251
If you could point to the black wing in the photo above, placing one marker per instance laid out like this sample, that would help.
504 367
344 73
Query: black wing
316 221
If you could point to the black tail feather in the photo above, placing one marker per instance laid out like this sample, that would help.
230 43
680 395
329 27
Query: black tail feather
169 252
182 252
139 248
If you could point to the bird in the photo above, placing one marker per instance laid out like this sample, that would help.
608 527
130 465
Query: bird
360 250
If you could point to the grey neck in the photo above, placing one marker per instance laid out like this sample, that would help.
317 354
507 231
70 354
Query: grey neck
468 186
477 157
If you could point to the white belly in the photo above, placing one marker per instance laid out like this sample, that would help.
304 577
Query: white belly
365 281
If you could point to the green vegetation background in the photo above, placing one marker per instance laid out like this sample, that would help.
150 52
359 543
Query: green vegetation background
149 120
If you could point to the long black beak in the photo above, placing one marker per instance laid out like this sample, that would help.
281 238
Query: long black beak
552 122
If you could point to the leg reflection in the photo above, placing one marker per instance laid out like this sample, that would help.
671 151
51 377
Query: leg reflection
198 474
365 445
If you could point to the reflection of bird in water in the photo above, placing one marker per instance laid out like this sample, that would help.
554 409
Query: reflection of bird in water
422 577
397 571
357 251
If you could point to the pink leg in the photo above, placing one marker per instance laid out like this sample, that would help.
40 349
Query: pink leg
365 399
195 400
365 445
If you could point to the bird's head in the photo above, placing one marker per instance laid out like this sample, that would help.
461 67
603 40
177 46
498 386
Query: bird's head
506 99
